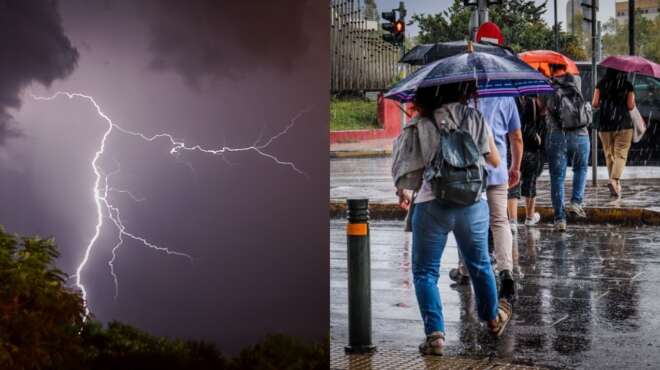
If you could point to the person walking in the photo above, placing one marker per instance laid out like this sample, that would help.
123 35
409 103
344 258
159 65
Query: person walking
502 118
567 142
615 97
533 159
433 217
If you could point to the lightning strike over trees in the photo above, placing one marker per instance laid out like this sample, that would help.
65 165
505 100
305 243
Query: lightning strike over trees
102 189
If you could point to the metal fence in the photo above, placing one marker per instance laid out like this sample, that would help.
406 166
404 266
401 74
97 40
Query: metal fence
360 59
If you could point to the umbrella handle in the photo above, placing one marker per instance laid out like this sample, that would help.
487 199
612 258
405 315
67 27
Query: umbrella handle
404 111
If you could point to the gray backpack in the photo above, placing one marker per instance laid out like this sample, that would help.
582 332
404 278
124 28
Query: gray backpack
456 174
571 110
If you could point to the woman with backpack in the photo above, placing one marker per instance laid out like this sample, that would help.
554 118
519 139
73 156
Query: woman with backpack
442 111
615 97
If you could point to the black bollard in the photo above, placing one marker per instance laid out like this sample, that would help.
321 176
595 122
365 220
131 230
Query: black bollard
359 278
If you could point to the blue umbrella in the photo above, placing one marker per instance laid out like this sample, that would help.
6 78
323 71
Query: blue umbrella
496 76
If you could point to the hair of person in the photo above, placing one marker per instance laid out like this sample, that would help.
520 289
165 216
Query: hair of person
613 80
428 99
556 68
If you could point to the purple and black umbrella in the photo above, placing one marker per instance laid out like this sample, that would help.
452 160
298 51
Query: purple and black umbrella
632 64
495 75
428 53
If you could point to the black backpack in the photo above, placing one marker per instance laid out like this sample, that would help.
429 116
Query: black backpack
571 110
534 127
456 174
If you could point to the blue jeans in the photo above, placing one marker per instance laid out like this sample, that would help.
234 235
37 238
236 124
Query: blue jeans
563 148
431 223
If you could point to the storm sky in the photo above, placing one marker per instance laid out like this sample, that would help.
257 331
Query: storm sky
214 73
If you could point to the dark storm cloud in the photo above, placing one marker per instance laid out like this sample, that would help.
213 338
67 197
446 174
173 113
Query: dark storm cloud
211 38
33 47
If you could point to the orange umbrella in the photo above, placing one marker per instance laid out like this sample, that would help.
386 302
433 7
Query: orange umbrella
541 60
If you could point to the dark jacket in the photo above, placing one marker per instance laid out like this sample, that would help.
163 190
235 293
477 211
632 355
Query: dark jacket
533 124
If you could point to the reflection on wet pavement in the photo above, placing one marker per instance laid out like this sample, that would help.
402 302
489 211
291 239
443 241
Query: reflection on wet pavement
588 298
371 178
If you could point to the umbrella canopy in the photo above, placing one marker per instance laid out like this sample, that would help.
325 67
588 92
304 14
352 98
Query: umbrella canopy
543 58
632 64
496 76
427 53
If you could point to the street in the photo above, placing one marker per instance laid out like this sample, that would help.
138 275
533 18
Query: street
587 298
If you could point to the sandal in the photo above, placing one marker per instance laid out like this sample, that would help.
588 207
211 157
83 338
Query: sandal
504 313
433 344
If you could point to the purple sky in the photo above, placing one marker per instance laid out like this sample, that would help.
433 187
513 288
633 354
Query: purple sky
210 73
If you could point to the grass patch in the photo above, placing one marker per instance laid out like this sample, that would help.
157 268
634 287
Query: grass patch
353 114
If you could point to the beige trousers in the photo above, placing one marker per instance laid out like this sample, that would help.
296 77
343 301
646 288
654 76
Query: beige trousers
499 225
616 145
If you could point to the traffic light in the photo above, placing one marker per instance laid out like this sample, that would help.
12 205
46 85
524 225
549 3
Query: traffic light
475 3
395 28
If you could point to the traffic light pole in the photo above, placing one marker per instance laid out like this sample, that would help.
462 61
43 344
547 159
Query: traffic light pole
482 10
404 118
556 29
594 76
631 27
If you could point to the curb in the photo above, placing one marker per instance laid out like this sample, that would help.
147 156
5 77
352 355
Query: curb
360 153
595 215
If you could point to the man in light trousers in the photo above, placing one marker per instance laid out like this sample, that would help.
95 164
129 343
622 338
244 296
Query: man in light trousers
502 117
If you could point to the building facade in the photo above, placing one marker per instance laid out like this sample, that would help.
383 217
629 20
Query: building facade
574 17
647 8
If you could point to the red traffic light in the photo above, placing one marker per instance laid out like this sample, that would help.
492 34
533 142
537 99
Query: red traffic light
399 26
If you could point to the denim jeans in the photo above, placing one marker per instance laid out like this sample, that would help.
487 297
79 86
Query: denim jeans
431 223
563 148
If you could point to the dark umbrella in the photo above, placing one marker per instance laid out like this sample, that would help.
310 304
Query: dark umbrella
632 64
496 76
427 53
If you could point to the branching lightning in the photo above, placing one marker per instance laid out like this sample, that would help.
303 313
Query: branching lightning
102 188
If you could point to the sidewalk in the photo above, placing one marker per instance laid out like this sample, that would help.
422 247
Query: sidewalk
399 359
371 178
361 149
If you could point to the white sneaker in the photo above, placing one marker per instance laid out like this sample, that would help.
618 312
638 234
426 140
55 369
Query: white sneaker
534 220
514 226
576 209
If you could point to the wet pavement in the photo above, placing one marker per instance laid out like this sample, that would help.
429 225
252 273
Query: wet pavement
373 147
589 298
371 178
401 359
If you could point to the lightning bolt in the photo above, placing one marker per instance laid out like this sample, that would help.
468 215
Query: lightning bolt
102 189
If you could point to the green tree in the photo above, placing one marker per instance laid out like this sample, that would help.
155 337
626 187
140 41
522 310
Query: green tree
40 317
42 327
449 25
647 42
283 352
521 23
121 346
